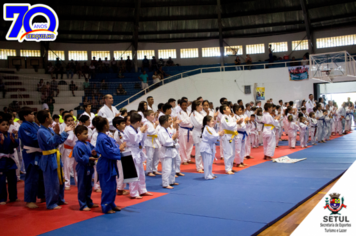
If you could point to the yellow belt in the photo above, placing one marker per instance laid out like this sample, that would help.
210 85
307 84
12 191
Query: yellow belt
59 169
270 125
153 138
233 134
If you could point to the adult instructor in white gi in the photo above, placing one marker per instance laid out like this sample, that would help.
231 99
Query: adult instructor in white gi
109 111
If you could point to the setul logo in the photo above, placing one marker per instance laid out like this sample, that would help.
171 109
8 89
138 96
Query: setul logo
22 14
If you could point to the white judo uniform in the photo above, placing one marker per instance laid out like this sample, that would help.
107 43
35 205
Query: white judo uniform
69 163
320 131
341 115
313 126
152 146
109 114
228 124
292 134
254 135
118 136
269 140
185 136
207 150
197 121
168 152
240 140
91 116
303 134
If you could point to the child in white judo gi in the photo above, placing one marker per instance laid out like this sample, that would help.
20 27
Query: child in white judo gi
241 139
185 133
207 147
269 132
313 127
197 120
292 132
303 132
168 151
253 132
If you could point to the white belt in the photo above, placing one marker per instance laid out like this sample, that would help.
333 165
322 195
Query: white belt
32 149
7 155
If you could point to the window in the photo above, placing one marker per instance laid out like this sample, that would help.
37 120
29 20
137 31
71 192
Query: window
279 47
148 53
336 41
233 50
4 53
211 52
300 45
30 53
166 53
52 55
189 53
78 55
255 48
100 54
123 54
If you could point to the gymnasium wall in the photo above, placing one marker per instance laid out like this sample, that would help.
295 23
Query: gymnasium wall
213 86
197 44
345 87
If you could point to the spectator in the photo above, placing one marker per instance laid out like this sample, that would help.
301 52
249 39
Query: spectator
122 65
43 97
162 73
170 62
50 105
100 65
270 55
78 69
58 68
73 87
106 65
120 75
14 106
114 65
103 85
128 64
45 106
120 90
85 70
95 91
86 101
143 77
294 63
91 70
54 86
5 109
2 88
40 85
50 68
101 100
160 62
47 88
305 61
156 78
70 69
248 59
145 64
154 64
86 86
94 103
237 63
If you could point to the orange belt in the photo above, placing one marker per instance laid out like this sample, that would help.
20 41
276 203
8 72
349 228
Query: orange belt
69 147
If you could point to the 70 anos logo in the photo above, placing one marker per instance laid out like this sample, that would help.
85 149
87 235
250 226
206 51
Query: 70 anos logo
22 14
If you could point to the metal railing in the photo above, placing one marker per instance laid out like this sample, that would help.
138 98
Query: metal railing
208 70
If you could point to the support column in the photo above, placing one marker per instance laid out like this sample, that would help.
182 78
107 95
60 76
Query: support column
135 33
221 41
308 26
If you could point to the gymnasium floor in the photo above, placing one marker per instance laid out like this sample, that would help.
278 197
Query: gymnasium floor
242 204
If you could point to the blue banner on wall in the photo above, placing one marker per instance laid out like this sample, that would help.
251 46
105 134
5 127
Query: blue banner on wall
298 73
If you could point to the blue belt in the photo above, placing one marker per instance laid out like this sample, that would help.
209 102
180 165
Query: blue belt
189 129
244 133
324 122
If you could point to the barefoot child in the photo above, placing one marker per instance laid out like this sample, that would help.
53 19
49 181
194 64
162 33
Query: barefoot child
107 165
168 152
303 132
85 156
34 186
120 124
240 141
269 139
319 114
197 120
134 136
207 146
8 142
253 132
313 127
51 163
292 132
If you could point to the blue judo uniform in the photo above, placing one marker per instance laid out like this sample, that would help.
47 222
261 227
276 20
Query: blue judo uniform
34 186
107 170
8 168
85 170
48 141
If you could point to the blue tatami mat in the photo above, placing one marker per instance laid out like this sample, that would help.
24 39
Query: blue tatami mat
240 204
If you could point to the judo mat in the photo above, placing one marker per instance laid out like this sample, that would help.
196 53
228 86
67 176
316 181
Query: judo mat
241 204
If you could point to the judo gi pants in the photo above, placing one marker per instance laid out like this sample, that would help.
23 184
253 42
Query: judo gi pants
240 149
11 177
340 127
291 141
120 180
269 144
108 194
34 185
152 159
254 140
185 146
277 137
327 132
229 152
303 139
312 135
320 132
54 192
85 186
96 178
178 162
198 158
208 165
168 173
247 146
68 166
138 187
18 161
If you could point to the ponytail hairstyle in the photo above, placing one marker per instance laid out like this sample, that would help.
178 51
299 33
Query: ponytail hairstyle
205 122
100 124
195 104
289 108
141 107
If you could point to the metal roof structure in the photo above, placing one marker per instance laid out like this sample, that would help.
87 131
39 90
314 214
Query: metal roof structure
113 21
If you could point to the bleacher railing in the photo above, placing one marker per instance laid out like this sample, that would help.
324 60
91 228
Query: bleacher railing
209 70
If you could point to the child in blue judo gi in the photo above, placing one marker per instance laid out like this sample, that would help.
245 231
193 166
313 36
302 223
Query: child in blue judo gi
7 163
107 165
51 163
85 156
31 153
